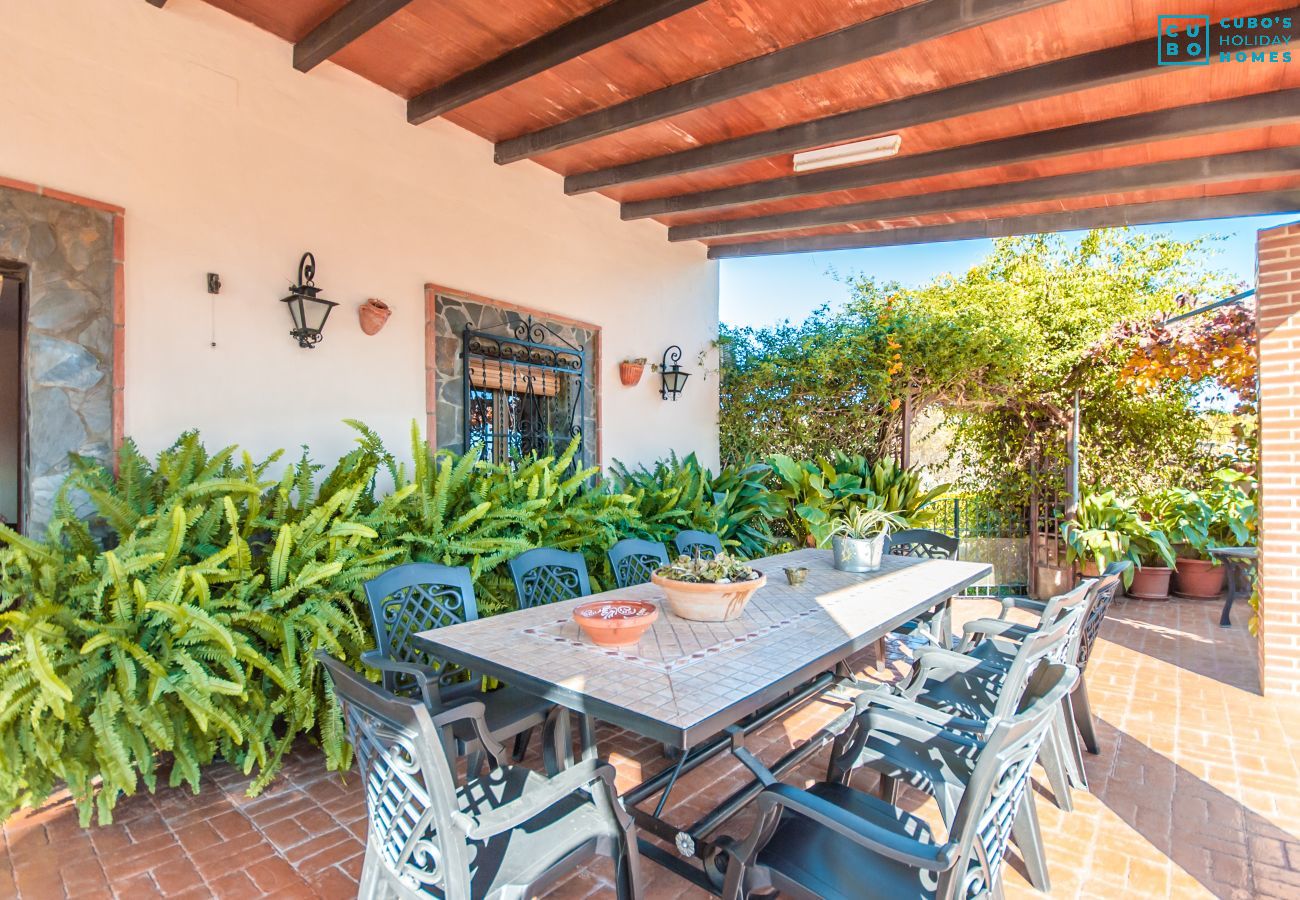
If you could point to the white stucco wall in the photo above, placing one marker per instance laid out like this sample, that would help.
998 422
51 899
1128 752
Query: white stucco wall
227 160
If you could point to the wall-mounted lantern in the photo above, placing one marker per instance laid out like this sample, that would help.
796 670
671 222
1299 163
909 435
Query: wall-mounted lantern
673 376
309 311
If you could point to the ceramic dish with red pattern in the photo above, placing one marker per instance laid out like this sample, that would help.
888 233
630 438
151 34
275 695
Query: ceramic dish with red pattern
615 623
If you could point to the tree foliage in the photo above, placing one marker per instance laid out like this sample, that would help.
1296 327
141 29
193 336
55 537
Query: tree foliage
1001 349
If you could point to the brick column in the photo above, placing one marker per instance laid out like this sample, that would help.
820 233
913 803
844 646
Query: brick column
1278 297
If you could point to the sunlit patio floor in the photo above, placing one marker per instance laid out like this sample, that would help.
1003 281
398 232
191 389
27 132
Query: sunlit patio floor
1196 792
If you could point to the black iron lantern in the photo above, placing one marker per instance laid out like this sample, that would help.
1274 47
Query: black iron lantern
308 310
673 375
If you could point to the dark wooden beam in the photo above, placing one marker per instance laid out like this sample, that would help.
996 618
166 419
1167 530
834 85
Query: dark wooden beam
158 3
601 26
1257 204
902 28
341 29
1254 111
1152 176
1113 65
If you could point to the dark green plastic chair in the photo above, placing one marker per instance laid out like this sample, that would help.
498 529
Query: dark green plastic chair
416 597
546 575
832 841
511 833
922 543
688 543
972 697
633 560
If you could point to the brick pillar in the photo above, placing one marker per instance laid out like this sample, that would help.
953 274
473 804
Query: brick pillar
1278 297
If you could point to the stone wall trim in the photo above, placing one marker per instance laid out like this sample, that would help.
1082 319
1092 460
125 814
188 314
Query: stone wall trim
433 291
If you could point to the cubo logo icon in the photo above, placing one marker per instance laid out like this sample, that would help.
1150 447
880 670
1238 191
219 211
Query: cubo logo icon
1183 40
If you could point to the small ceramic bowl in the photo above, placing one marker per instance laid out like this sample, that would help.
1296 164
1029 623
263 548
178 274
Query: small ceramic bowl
615 623
796 574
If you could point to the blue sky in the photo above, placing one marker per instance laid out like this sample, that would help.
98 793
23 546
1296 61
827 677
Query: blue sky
765 290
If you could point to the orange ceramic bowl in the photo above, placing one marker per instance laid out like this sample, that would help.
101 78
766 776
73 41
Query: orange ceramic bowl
615 623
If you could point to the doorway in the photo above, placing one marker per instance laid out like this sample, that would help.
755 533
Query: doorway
13 304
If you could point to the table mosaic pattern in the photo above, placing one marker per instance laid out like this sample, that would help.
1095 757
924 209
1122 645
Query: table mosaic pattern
684 672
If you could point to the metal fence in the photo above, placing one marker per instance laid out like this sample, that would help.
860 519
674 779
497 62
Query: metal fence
992 534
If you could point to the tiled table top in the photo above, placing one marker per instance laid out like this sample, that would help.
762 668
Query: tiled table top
686 681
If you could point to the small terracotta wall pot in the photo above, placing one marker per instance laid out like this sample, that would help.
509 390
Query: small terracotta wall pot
374 313
1198 578
630 373
708 602
1150 583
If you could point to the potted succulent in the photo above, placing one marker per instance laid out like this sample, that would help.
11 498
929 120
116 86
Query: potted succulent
630 370
708 590
858 538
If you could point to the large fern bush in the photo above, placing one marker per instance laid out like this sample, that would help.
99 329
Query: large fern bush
186 625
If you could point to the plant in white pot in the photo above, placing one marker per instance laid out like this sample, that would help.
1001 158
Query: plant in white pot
708 590
858 538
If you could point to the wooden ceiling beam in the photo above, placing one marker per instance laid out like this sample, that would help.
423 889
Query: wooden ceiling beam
158 3
1252 111
1101 68
1231 205
901 28
341 29
601 26
1152 176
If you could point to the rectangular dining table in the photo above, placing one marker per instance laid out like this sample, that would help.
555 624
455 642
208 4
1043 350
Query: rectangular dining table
700 687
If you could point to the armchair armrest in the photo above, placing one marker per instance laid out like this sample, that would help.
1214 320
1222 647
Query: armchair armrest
977 629
863 832
1026 603
426 678
935 663
902 723
917 711
574 778
473 713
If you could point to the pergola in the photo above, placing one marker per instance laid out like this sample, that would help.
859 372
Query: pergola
688 112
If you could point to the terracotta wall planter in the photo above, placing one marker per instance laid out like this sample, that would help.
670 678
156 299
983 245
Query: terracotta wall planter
630 372
374 315
1198 578
1150 583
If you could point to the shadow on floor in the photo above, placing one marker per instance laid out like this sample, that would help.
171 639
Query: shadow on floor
1173 632
1230 849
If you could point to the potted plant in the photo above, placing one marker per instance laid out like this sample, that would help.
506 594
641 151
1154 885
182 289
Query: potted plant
708 590
630 370
858 538
1099 532
1222 515
1154 560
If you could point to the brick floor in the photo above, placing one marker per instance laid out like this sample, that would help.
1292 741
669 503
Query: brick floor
1196 793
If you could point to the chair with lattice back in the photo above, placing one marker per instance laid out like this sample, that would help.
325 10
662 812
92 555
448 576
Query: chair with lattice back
545 575
634 560
416 597
508 833
691 543
923 543
834 841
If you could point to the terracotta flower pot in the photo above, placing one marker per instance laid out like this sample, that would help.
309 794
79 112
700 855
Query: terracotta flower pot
1089 569
615 623
374 313
1198 578
1150 583
708 602
630 373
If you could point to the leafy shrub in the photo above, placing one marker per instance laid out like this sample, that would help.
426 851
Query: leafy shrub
680 494
193 634
815 492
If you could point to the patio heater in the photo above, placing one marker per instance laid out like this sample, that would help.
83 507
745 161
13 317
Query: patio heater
308 310
674 377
